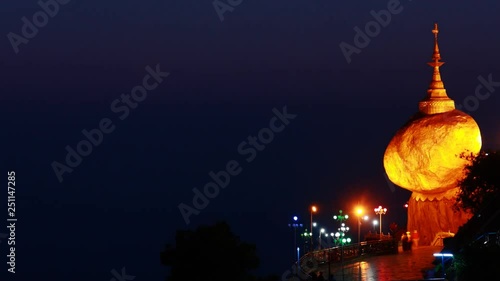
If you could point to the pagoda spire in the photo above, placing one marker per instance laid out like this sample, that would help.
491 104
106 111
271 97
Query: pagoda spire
436 82
437 101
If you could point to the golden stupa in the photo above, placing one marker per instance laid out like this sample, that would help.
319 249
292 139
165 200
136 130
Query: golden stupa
424 157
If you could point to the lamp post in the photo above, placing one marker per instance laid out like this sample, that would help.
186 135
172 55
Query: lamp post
375 222
306 235
313 210
298 259
380 211
340 238
359 213
320 232
340 217
295 224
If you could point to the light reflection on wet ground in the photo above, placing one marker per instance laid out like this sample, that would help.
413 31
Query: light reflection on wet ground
402 266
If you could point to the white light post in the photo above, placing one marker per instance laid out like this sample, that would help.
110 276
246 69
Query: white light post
295 225
320 232
380 211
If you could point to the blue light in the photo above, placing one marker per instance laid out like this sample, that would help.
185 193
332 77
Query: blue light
443 255
295 218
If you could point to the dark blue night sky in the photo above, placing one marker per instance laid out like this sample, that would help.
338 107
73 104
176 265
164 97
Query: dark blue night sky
119 206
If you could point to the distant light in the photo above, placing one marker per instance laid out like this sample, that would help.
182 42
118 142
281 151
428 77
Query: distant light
322 230
406 205
295 218
334 217
375 222
314 224
346 216
298 249
348 240
443 255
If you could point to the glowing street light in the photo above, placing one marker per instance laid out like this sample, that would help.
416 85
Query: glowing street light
295 225
314 209
380 211
359 213
340 238
375 222
340 217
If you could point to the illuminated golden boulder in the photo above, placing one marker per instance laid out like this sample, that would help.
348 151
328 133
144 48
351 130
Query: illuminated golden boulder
423 156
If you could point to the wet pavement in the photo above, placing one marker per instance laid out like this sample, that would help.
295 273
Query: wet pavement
402 266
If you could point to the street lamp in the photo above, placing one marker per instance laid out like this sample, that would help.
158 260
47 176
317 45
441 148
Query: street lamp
340 238
320 232
295 224
340 217
306 235
375 222
313 210
359 213
380 211
298 259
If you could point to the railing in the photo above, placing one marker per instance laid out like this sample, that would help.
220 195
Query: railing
311 261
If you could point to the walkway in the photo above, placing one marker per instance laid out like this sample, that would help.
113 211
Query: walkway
402 266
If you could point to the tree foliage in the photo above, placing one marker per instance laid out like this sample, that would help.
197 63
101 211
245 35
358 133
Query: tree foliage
210 253
481 183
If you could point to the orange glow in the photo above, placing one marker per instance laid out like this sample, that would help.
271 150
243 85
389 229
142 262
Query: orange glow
359 211
424 155
314 209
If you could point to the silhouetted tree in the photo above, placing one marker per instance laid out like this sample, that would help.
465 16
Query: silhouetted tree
481 183
210 253
479 194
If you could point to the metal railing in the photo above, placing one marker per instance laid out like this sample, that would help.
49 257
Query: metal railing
313 260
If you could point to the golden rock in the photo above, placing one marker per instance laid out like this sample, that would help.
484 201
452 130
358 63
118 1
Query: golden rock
424 155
